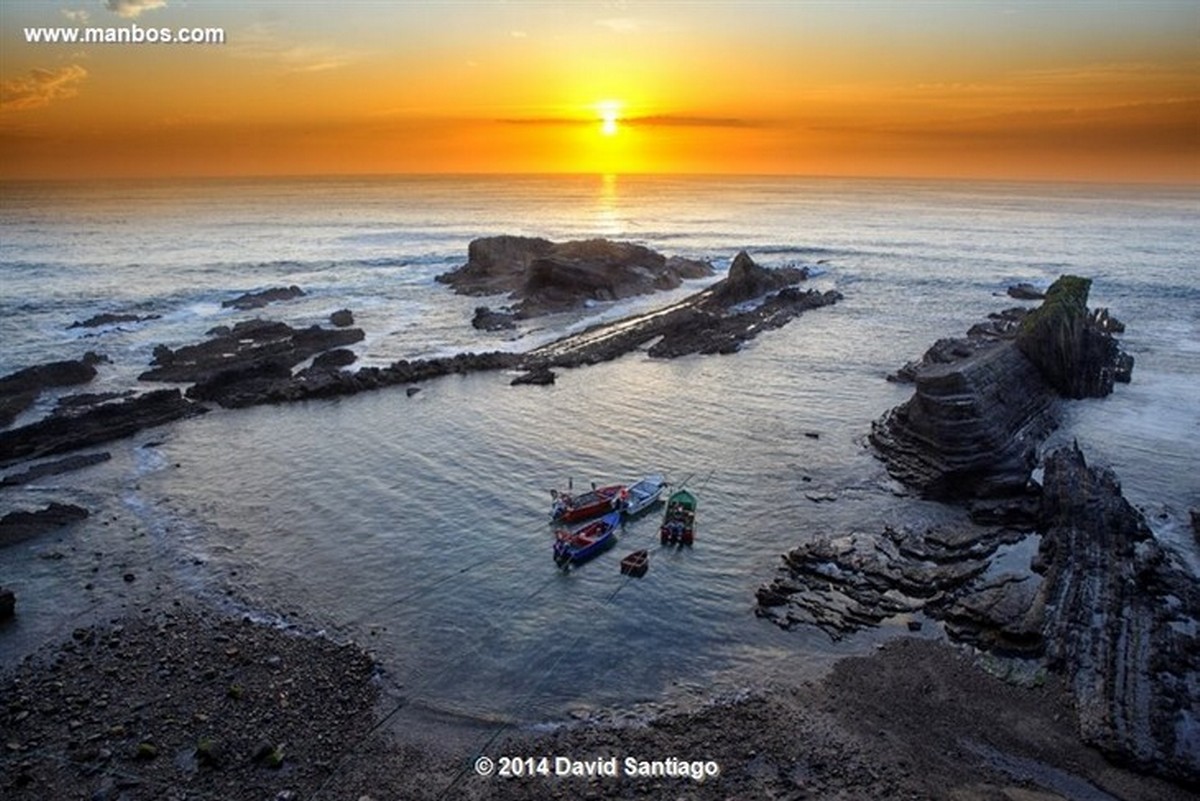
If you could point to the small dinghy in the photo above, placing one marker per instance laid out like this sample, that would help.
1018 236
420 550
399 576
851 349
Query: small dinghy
636 564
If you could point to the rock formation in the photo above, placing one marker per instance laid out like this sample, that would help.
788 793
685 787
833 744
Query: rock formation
62 433
256 300
342 318
1068 343
972 428
19 390
983 404
1119 620
54 468
112 319
547 277
17 526
254 347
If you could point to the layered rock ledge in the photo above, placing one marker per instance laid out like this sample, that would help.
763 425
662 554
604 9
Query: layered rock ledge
983 404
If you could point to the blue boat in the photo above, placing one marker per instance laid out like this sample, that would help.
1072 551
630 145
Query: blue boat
574 547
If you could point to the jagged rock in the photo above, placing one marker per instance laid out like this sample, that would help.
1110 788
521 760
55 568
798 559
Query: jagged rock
111 319
1025 291
249 347
256 300
19 390
58 434
1195 513
17 526
8 604
1018 511
747 280
1071 346
1119 621
72 404
55 468
540 376
342 318
972 427
547 277
487 319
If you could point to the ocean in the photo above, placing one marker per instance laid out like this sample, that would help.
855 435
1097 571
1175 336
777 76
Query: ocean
417 525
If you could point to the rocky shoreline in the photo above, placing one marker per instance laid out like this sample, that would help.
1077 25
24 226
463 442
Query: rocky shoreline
183 703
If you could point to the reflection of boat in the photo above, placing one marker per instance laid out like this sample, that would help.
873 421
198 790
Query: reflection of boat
591 540
680 520
642 495
571 508
636 564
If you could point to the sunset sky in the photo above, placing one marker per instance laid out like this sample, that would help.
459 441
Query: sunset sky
1104 91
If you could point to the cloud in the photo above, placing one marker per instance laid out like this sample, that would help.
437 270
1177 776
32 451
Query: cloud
131 9
650 120
518 34
261 41
79 17
41 88
622 24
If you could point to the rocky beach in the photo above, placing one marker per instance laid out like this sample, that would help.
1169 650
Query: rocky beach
1043 639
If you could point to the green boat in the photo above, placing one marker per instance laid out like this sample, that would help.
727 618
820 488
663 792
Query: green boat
679 523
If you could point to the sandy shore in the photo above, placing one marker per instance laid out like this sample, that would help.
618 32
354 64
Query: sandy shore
185 704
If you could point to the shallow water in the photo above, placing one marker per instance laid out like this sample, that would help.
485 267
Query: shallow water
418 524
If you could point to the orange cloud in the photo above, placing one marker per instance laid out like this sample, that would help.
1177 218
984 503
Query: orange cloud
41 87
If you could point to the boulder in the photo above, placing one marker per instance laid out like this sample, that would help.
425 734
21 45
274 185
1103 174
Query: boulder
334 359
487 319
8 604
539 376
342 318
256 300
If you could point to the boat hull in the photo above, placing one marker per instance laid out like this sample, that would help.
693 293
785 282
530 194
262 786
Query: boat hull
576 508
576 547
679 523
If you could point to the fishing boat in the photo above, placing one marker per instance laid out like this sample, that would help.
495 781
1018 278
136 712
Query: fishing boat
568 508
573 547
636 564
679 522
642 495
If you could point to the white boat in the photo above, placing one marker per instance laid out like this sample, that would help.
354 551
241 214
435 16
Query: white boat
642 495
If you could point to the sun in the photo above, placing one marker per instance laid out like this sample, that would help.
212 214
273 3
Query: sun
610 112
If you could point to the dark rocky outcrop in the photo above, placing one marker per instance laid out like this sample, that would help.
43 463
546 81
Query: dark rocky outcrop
539 376
546 277
334 359
248 349
19 390
256 300
972 428
342 318
983 404
1119 621
1025 291
17 526
8 604
112 319
60 434
711 321
54 468
487 319
1070 344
